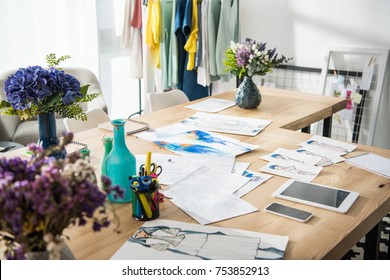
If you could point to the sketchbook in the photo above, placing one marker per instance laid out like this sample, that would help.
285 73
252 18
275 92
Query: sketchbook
131 126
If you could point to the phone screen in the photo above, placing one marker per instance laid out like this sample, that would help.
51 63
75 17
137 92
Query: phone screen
289 211
315 193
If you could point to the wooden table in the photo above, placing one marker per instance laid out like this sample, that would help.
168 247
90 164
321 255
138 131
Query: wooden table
328 235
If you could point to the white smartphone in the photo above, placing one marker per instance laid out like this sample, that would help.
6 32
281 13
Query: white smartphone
322 196
288 212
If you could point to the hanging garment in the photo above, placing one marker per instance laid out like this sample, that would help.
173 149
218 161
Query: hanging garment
190 85
228 30
213 15
153 29
172 56
166 23
187 80
192 39
204 63
181 53
132 38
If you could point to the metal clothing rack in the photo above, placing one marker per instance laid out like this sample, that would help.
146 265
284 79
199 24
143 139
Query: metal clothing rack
139 112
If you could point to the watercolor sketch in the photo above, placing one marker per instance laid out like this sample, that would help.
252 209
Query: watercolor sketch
335 146
186 140
162 239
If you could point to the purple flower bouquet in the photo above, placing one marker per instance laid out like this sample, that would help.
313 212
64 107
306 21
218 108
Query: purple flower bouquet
42 196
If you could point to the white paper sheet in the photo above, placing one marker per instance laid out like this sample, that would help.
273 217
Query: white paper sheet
240 167
335 146
227 124
372 162
256 180
210 208
171 240
212 105
327 157
205 180
299 171
175 168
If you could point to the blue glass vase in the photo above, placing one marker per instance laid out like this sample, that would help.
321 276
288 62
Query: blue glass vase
120 163
48 134
248 94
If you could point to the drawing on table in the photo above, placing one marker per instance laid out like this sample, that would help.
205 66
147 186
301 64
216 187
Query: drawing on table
205 245
291 169
279 156
210 139
187 136
190 148
328 146
324 160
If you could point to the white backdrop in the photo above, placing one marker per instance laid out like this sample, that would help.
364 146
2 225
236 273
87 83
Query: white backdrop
31 29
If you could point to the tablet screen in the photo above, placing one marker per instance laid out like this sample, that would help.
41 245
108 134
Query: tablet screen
315 193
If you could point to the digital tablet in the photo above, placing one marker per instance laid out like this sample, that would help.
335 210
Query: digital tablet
317 195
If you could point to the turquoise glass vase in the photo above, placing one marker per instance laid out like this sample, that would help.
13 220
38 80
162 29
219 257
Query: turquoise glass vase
107 143
248 94
120 164
48 134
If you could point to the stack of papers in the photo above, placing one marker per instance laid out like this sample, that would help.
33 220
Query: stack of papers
305 163
205 187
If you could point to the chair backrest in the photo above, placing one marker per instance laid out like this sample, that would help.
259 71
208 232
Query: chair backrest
158 101
94 117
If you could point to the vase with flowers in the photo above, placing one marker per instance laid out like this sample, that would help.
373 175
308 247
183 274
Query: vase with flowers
42 196
246 60
36 91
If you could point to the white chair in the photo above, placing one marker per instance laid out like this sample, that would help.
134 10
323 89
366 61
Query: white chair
94 117
161 100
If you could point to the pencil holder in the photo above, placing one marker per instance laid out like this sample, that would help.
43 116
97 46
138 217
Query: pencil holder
145 203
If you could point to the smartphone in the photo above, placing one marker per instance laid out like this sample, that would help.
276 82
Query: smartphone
288 212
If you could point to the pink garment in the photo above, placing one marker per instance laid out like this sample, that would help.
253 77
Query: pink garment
136 20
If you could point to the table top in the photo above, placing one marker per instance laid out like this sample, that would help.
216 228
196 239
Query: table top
328 235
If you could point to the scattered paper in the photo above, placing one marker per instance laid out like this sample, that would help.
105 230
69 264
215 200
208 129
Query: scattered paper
227 124
256 180
212 105
240 167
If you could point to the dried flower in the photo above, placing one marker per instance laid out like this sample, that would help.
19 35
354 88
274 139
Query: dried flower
250 58
42 196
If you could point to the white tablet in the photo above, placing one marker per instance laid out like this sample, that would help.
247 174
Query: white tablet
317 195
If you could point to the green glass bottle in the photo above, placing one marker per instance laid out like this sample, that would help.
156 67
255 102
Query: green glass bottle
120 163
107 143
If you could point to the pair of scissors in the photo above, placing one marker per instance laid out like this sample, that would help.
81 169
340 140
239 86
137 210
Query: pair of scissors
155 169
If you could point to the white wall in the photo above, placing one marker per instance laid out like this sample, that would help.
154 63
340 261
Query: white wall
31 29
304 29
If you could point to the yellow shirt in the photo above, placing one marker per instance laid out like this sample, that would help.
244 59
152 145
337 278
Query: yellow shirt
190 46
152 30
